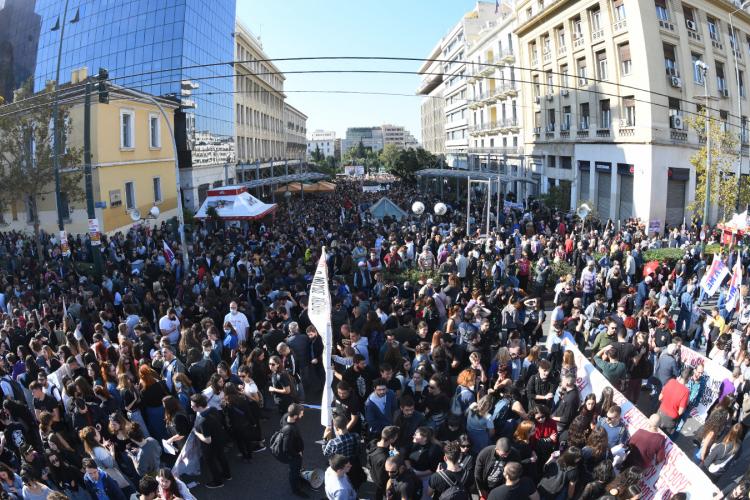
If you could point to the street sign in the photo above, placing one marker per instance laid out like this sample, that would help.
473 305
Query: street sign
100 204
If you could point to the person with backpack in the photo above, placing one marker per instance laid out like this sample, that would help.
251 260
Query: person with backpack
282 386
209 429
377 453
287 446
452 482
516 487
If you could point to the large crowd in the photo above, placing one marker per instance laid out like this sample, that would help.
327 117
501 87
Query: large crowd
454 373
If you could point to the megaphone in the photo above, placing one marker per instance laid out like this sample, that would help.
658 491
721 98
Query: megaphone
315 477
583 211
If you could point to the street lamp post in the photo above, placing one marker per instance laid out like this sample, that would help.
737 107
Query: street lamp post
59 25
703 67
735 48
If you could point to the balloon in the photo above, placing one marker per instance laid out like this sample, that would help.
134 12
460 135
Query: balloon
417 207
440 209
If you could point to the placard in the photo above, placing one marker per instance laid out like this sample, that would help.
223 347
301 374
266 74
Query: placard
94 235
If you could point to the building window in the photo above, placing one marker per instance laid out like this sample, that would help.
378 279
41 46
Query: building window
670 62
565 124
566 162
154 131
724 117
604 114
721 81
628 111
601 64
130 195
537 87
626 64
741 78
551 162
564 75
689 14
127 134
661 10
743 130
577 28
596 22
619 10
582 71
550 120
583 115
697 73
157 190
546 45
561 38
713 28
550 85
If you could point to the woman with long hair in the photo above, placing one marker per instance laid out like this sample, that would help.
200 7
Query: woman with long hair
578 432
589 409
712 432
183 388
109 380
607 400
603 474
551 485
103 455
595 451
522 443
214 391
465 392
721 453
568 365
11 482
118 436
176 422
153 391
171 488
244 420
480 424
66 477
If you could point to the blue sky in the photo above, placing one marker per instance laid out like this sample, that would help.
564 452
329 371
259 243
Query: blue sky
390 28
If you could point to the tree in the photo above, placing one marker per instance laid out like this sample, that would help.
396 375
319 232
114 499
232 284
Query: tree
317 155
722 169
389 155
27 171
556 198
409 161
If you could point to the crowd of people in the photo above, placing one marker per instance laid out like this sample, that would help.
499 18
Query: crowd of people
454 369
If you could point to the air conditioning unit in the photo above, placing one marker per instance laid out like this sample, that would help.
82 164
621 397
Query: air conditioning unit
676 81
549 97
564 92
675 122
691 25
724 92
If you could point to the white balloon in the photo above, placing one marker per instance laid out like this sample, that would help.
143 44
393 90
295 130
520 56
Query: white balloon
440 208
417 207
154 212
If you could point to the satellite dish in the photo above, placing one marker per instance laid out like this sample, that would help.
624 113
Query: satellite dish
135 214
440 208
417 207
583 211
154 212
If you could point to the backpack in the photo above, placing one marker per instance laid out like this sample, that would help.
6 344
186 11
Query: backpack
276 445
456 407
18 394
455 491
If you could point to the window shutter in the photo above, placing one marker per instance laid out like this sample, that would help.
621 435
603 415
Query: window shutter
625 52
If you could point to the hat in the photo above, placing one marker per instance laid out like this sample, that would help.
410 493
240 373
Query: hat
430 281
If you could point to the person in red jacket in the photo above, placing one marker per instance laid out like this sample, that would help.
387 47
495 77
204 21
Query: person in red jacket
674 400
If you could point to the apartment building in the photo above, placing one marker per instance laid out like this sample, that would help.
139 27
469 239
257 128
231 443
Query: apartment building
496 140
260 124
324 140
432 109
615 133
453 89
398 136
296 132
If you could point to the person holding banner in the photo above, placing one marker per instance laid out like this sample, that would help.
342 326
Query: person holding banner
674 400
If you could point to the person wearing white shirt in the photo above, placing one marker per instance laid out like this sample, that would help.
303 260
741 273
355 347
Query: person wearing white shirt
238 320
462 264
169 326
558 335
337 484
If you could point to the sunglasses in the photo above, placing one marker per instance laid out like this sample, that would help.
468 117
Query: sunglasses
272 364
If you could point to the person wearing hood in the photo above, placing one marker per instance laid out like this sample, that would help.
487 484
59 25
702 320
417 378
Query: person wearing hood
99 484
380 407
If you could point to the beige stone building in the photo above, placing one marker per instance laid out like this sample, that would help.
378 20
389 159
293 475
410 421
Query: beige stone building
296 132
433 104
609 87
259 103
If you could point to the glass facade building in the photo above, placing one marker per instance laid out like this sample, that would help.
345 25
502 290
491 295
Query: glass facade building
19 35
152 46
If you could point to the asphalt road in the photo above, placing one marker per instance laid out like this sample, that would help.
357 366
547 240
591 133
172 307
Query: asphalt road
266 478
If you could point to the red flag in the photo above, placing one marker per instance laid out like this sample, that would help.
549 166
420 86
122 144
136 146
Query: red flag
168 253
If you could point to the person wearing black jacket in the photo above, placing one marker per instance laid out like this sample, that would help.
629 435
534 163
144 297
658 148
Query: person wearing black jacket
209 429
377 453
540 388
244 420
293 446
490 465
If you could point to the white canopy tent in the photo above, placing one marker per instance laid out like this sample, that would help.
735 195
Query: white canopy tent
234 203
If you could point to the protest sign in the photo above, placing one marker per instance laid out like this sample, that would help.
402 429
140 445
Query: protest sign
677 473
714 276
715 375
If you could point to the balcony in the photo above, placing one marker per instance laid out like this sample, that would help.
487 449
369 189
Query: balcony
678 135
666 25
511 90
602 132
579 42
715 42
547 56
627 129
487 97
562 50
497 151
597 36
535 61
508 57
537 130
620 25
512 125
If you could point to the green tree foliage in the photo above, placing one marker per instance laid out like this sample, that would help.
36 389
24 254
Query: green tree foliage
389 155
27 171
317 155
409 161
724 151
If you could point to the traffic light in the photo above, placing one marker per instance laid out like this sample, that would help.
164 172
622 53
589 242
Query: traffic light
102 77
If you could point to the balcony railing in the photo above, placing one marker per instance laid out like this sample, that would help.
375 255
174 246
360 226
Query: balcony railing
620 25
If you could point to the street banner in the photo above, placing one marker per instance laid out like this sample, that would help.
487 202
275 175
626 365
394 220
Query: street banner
95 236
677 473
733 294
715 376
714 276
319 313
